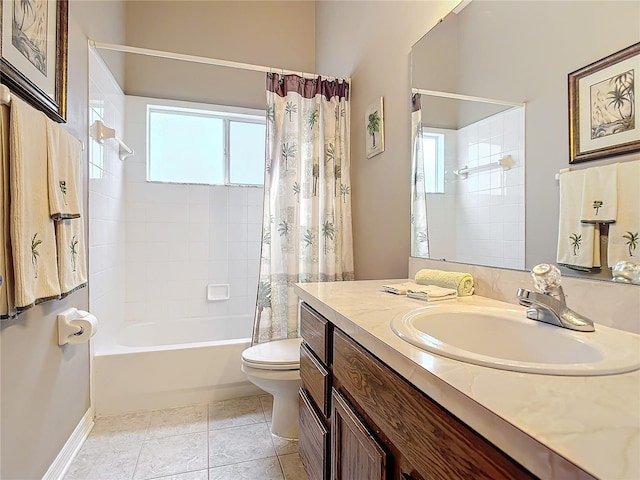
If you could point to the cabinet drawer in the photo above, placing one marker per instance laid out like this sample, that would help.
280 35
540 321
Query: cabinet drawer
314 328
438 445
315 379
313 440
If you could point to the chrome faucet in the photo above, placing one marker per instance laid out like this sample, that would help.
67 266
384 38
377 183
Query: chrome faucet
548 303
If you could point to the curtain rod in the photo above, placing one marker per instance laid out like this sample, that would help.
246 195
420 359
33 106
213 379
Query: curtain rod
198 59
457 96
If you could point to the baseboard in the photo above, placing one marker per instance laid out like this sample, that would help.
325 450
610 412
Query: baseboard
62 462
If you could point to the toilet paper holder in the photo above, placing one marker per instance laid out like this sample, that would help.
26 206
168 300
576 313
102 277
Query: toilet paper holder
66 329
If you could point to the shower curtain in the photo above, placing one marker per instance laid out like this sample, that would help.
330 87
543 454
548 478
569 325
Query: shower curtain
307 197
419 233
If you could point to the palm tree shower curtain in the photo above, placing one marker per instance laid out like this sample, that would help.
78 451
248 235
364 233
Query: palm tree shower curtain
307 203
419 233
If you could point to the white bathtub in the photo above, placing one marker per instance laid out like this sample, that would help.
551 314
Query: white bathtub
168 364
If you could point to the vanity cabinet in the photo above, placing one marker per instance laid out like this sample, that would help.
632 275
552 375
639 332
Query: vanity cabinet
355 453
381 427
315 400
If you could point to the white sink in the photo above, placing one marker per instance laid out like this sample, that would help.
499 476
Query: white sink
504 338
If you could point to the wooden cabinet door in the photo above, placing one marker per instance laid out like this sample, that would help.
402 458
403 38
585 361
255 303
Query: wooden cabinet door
355 453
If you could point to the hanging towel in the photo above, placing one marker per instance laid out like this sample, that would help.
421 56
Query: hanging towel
33 239
7 309
431 293
599 197
461 282
577 247
64 161
72 262
624 235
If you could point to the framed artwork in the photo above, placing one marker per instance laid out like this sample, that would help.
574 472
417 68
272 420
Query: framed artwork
33 53
603 107
374 126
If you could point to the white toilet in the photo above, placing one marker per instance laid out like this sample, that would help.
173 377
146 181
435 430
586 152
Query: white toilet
275 368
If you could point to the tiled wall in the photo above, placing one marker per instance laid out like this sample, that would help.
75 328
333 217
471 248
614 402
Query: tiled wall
106 212
490 220
180 238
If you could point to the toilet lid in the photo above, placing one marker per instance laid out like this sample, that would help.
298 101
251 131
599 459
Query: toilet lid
275 355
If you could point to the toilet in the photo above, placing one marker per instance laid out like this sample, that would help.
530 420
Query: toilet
275 368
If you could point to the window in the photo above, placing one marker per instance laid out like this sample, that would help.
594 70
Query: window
215 147
433 154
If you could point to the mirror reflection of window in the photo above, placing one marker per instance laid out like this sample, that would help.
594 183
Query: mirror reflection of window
433 155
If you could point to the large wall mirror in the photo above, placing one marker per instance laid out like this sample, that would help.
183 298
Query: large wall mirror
490 125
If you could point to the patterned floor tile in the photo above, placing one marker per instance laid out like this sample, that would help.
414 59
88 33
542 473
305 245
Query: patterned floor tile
292 467
107 462
115 430
240 444
235 412
172 455
178 421
199 475
262 469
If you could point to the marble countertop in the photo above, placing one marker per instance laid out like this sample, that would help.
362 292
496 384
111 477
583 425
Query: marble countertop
559 428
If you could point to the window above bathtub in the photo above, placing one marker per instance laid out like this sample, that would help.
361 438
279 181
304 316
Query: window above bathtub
204 144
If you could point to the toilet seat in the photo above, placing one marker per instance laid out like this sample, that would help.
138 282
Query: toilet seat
275 355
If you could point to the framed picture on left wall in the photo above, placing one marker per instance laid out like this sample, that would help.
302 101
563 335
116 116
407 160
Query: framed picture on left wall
374 126
33 53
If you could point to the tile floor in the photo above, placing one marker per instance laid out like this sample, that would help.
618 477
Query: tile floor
228 440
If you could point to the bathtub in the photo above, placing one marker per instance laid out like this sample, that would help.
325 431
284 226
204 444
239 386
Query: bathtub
157 365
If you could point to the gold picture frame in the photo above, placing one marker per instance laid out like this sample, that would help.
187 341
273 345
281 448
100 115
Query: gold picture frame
33 53
603 107
374 128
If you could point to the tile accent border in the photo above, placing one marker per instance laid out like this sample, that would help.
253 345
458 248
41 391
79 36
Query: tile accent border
63 461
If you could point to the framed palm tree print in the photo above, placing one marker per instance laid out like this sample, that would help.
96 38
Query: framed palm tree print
33 53
374 128
603 107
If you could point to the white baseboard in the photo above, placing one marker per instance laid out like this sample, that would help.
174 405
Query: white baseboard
62 462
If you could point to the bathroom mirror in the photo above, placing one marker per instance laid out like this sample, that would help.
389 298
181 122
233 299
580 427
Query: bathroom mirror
505 54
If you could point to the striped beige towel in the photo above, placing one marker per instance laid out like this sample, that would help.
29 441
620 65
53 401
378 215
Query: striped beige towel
7 309
64 164
33 239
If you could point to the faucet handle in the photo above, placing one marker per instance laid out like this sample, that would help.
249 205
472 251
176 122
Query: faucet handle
546 278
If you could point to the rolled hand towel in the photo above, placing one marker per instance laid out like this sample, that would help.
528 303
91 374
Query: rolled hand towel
431 293
461 282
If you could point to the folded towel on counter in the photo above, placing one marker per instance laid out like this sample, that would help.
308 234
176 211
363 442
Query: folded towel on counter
33 239
577 245
64 164
431 293
72 261
399 288
624 235
462 283
7 309
599 195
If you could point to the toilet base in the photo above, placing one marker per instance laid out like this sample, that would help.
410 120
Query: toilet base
284 417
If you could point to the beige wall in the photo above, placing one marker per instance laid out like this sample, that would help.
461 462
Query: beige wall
371 42
278 34
45 388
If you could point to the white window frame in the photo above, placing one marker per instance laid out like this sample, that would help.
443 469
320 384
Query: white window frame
224 112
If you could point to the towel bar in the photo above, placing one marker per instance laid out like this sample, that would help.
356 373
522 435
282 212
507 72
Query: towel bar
100 132
505 162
